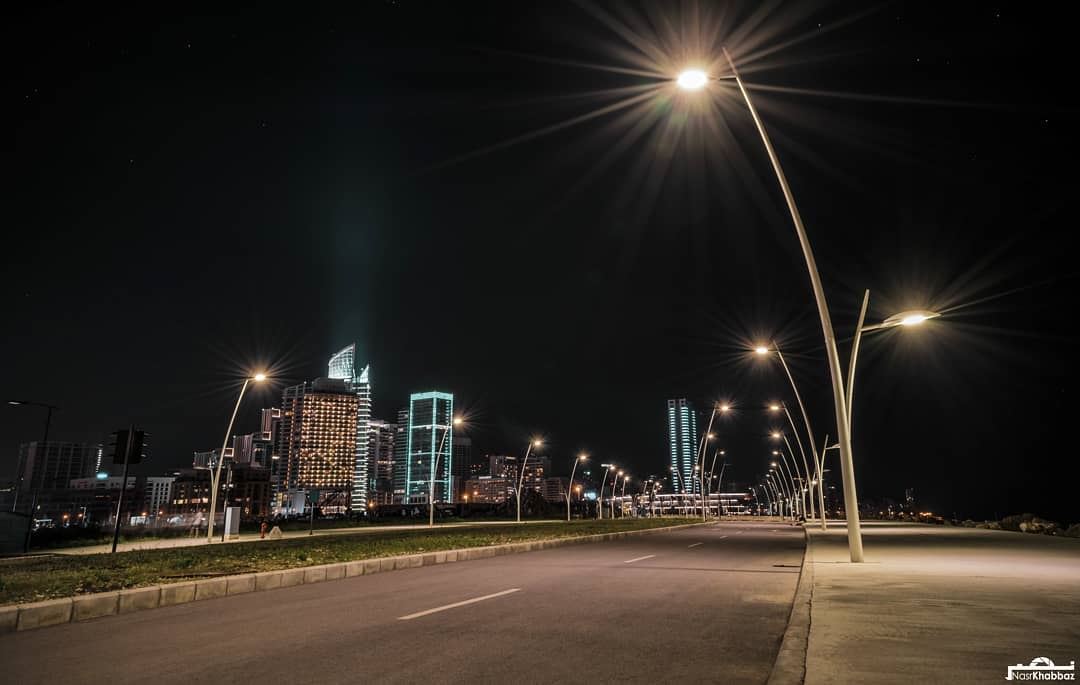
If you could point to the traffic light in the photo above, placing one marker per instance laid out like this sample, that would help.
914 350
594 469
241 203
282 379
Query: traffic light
119 445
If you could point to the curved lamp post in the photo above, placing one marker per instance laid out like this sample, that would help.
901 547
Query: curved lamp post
793 466
570 488
614 482
762 350
696 80
49 409
796 491
781 480
258 378
906 319
521 476
600 495
456 421
778 491
802 452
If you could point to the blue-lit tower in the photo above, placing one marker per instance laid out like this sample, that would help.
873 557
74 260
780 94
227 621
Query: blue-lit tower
431 416
682 443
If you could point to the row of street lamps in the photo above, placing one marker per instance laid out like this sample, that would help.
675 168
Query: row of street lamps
697 80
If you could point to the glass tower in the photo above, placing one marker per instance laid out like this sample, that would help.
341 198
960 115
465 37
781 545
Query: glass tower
430 427
682 442
342 365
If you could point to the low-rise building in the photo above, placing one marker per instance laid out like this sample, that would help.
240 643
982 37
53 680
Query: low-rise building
487 490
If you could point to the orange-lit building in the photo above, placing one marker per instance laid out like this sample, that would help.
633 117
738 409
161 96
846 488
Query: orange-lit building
317 435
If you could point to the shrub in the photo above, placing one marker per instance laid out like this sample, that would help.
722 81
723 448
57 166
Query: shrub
1038 525
1013 522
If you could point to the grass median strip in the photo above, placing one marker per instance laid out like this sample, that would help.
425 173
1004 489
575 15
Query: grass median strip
49 577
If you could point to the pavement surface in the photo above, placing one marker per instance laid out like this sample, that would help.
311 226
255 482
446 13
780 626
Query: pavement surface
709 603
162 543
936 604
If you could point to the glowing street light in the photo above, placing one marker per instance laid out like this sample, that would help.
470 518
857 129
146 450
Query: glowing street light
697 82
774 407
579 458
762 350
456 421
600 498
216 480
535 442
907 319
613 484
692 79
723 408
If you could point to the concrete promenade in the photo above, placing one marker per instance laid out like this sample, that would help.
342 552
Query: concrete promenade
939 604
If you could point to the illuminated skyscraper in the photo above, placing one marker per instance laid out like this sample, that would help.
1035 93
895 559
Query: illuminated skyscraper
381 468
430 416
682 439
342 365
401 461
317 435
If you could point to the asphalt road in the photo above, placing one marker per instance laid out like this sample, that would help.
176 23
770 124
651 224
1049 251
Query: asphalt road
708 603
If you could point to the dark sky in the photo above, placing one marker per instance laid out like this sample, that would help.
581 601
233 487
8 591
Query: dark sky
197 195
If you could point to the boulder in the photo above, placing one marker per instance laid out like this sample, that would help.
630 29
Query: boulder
275 533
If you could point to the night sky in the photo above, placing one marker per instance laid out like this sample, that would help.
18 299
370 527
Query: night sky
200 195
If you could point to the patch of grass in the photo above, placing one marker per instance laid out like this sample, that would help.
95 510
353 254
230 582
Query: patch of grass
47 577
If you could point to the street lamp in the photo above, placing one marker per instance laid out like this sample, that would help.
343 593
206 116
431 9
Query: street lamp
579 458
216 480
689 81
600 495
802 452
521 476
693 79
456 421
723 408
778 478
777 435
771 482
906 319
49 409
761 350
614 482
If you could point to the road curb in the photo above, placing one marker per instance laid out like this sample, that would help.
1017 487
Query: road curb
790 665
19 617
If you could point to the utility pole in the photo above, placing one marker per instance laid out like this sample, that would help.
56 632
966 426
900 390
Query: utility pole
128 437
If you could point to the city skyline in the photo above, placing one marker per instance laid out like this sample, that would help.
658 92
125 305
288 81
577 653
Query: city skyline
621 272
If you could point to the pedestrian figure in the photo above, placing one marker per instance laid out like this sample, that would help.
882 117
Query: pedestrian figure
262 530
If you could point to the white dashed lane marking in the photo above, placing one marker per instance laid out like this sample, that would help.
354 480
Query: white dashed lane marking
455 605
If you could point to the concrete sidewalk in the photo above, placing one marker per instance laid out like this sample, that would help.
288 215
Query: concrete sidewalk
939 604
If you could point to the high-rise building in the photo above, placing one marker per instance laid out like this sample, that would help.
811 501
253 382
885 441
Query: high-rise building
462 462
343 366
54 464
505 466
682 438
401 462
317 436
381 469
429 446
